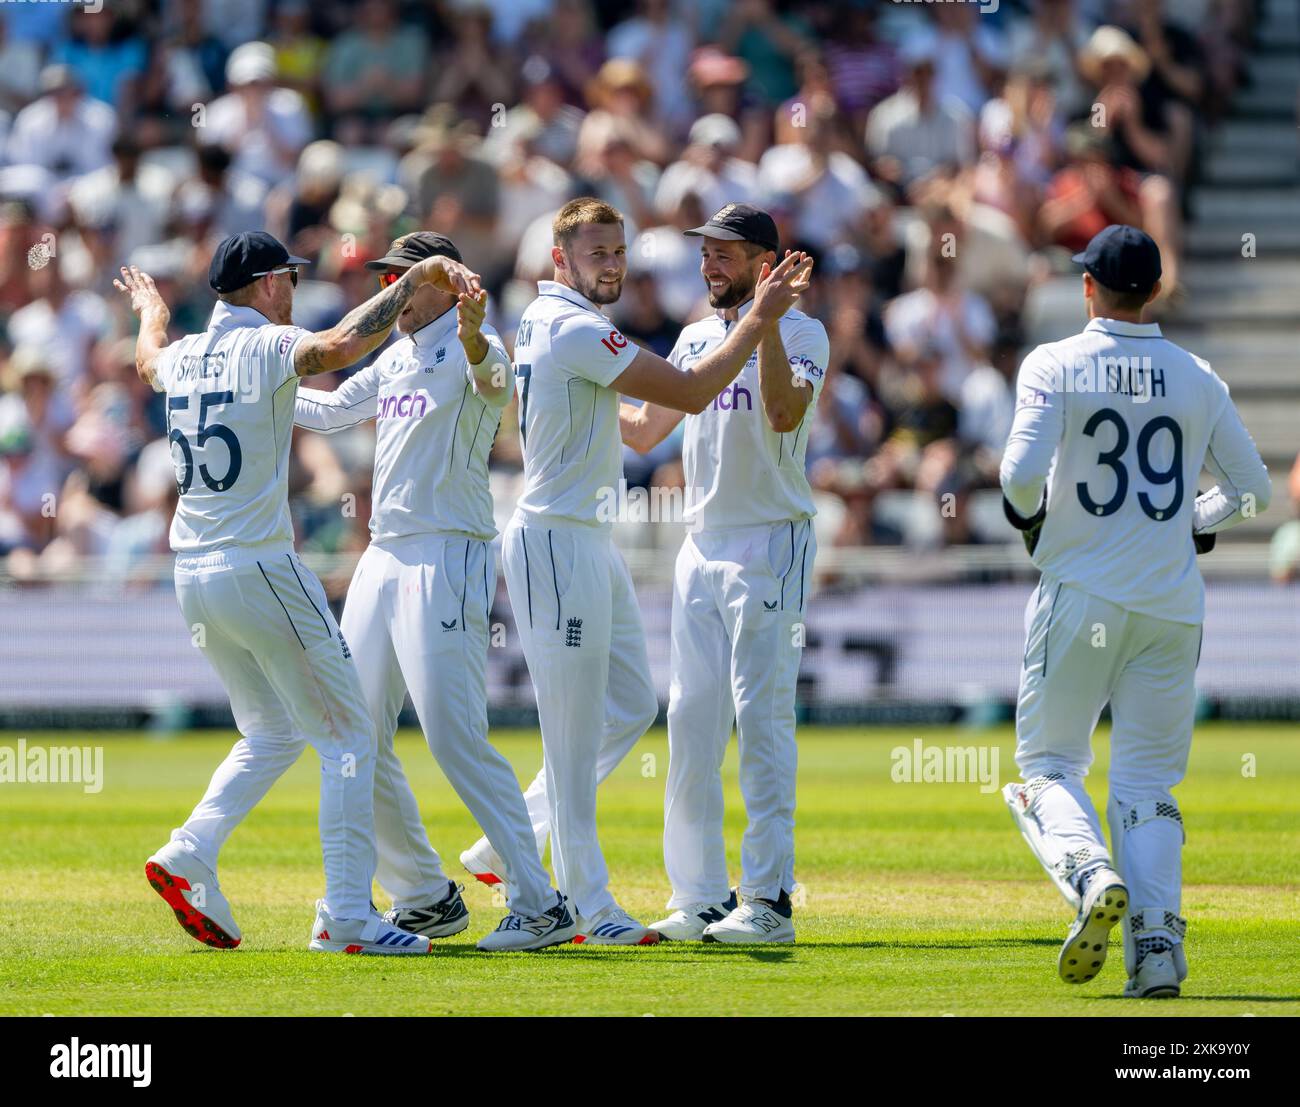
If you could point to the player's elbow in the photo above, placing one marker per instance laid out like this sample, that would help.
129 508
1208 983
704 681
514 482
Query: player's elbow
783 421
1257 496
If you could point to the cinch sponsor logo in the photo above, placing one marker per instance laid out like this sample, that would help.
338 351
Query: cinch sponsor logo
729 399
406 405
807 365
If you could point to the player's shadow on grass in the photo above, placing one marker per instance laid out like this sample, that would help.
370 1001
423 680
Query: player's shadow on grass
1192 997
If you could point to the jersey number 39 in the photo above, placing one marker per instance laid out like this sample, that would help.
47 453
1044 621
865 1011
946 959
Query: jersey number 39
206 432
1114 459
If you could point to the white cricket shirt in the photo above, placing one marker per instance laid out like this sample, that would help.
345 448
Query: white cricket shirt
230 397
739 471
433 431
1116 424
566 355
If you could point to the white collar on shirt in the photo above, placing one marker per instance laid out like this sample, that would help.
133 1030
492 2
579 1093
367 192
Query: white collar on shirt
226 315
434 331
555 288
741 312
1124 329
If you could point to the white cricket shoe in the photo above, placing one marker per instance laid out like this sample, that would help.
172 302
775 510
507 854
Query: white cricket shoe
370 935
613 926
1159 975
1084 951
517 932
483 863
755 920
190 889
440 919
687 924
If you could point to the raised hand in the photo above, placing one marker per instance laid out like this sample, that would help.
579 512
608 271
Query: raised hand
777 290
142 290
470 310
447 276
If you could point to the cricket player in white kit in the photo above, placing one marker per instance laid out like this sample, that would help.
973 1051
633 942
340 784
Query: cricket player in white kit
256 611
741 581
569 588
1111 431
417 611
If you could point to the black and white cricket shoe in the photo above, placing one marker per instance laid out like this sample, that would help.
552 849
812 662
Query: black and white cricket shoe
436 920
518 932
687 924
1084 951
755 920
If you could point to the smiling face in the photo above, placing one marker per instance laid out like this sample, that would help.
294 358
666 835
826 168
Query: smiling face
730 270
593 261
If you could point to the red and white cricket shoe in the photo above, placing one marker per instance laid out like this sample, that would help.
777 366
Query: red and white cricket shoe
190 889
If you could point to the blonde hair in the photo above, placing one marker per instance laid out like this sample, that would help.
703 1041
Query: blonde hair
579 213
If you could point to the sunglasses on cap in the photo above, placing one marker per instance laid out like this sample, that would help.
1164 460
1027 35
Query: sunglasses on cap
385 279
293 274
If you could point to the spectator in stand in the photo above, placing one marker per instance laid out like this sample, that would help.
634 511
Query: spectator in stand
120 208
612 165
65 132
189 65
831 193
718 83
1144 134
863 69
572 45
376 71
20 71
299 52
916 131
768 41
62 323
970 57
219 199
951 323
542 124
470 76
1090 192
263 127
659 39
709 168
109 62
34 424
297 212
1052 38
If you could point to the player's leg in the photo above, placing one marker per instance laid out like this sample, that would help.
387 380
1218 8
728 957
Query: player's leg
631 709
764 585
1153 706
407 867
1075 647
284 606
560 590
184 872
700 715
441 636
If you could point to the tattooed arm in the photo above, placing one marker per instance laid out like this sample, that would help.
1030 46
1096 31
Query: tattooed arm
368 324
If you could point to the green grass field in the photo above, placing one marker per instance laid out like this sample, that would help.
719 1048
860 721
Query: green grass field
917 898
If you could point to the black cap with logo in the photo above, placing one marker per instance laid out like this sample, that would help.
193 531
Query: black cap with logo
741 223
1122 258
413 247
242 258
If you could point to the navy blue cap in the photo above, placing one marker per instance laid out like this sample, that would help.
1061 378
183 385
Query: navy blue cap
415 247
741 223
242 258
1122 258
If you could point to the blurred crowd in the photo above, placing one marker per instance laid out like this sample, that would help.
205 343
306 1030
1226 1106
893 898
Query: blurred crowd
941 161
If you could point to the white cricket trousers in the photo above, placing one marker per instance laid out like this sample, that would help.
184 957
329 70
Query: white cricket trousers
261 618
738 600
1082 652
580 627
417 616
